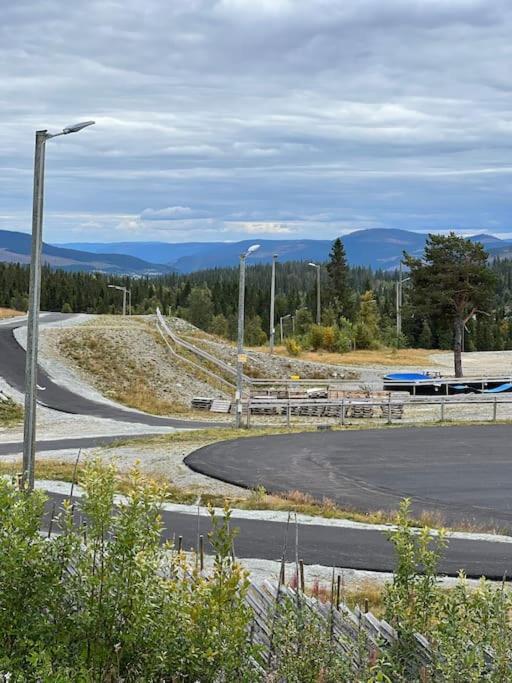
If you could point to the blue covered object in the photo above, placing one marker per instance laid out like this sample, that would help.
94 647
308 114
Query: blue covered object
499 390
408 376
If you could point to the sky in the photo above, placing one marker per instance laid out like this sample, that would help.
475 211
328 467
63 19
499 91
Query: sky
229 119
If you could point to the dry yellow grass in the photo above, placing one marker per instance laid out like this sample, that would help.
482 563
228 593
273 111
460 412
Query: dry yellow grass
9 313
384 356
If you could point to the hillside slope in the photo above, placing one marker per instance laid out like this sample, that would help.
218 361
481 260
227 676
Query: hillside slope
376 247
15 247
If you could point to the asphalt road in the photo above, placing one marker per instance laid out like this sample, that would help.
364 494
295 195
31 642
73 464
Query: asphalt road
463 473
328 546
364 469
12 370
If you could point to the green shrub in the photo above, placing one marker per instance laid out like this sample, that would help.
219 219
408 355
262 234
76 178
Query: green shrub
10 412
293 348
109 602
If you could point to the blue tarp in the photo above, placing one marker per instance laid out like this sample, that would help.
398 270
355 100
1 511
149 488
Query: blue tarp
408 376
498 390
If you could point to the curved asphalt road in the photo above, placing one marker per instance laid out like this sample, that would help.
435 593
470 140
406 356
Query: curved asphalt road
308 462
463 473
12 370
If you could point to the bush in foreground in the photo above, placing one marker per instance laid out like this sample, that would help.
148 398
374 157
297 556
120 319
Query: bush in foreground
105 601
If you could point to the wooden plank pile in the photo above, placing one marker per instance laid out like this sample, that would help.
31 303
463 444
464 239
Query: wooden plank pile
220 405
213 405
201 403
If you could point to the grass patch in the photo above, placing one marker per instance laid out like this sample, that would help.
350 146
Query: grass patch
114 369
10 313
384 356
11 413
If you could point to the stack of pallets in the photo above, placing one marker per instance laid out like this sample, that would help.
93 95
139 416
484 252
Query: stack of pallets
201 403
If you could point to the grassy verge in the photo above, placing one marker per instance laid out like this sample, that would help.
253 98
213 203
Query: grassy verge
116 373
11 413
9 313
384 356
259 499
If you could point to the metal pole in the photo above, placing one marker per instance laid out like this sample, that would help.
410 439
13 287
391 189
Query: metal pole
29 426
399 303
124 300
272 303
240 346
281 326
318 305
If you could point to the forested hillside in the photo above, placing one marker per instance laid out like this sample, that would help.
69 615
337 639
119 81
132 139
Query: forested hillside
208 298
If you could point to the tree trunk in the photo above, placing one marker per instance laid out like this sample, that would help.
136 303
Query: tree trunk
457 348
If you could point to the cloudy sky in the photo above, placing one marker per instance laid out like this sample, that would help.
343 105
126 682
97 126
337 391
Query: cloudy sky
224 119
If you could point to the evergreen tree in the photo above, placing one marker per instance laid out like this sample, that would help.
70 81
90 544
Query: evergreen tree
451 283
367 327
338 271
200 307
425 338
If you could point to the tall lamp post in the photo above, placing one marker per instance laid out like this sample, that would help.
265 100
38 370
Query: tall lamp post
318 306
29 424
272 304
284 317
125 292
240 359
399 302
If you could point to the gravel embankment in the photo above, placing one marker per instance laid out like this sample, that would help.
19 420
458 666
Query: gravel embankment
109 356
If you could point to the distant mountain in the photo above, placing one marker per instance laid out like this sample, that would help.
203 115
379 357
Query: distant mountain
376 247
153 252
15 247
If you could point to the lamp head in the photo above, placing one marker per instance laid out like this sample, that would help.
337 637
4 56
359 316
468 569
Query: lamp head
252 249
77 126
313 265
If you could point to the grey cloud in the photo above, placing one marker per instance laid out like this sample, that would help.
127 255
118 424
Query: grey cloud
398 112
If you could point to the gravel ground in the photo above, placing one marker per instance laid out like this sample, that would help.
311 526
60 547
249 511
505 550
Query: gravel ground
478 363
164 462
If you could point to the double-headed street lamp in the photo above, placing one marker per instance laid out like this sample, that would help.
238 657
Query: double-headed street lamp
125 291
318 305
29 426
272 303
240 359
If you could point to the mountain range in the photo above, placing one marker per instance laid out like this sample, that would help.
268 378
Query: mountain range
378 248
15 247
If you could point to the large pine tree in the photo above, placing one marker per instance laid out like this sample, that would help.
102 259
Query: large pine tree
451 284
338 271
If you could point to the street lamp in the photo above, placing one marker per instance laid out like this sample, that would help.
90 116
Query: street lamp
399 302
29 424
272 303
125 291
317 266
284 317
240 359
